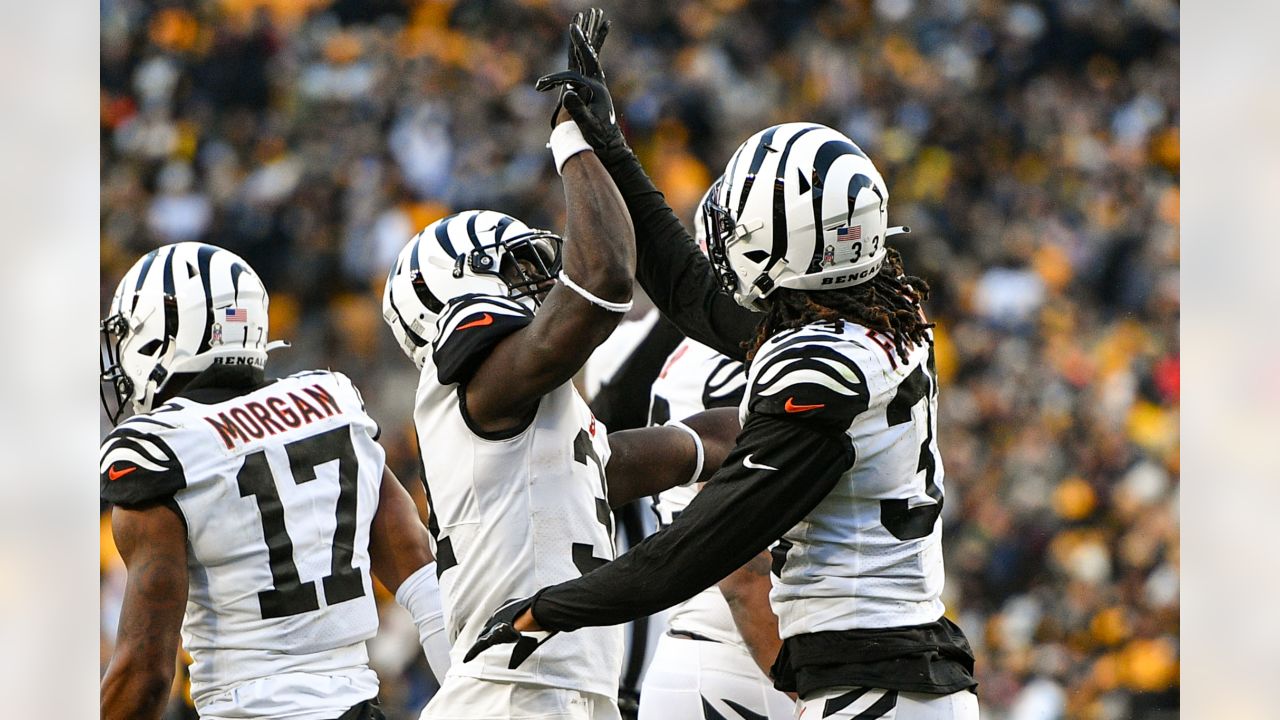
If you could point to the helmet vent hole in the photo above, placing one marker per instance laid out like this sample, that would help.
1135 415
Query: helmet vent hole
150 348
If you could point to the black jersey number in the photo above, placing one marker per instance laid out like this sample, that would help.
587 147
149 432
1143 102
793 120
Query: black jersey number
584 557
291 596
904 522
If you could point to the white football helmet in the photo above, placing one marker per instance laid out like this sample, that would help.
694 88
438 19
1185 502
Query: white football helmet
799 206
700 220
177 311
475 252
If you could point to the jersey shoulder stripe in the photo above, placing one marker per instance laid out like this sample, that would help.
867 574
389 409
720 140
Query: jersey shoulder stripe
725 385
809 375
136 465
468 330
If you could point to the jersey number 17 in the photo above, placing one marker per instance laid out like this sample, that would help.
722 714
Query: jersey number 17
291 596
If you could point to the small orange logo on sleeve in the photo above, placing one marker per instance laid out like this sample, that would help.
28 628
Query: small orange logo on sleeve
486 320
113 474
792 407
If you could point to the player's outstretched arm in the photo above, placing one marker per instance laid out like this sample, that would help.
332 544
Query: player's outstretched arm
670 267
401 557
153 544
647 461
746 590
599 259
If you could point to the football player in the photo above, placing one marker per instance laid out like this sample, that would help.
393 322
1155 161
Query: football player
719 644
838 457
520 475
249 513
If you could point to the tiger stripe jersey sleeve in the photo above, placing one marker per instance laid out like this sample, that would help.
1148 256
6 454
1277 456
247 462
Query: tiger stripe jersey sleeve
725 385
137 467
809 376
469 328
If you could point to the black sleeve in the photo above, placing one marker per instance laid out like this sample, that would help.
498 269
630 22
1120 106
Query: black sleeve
671 268
138 468
468 329
779 471
623 402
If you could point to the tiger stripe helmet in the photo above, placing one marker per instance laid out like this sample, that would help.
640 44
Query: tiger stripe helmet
178 310
474 252
799 206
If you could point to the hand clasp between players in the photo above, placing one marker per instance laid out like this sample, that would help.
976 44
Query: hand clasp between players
508 625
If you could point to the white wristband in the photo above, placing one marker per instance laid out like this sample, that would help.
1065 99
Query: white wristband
598 302
697 443
566 141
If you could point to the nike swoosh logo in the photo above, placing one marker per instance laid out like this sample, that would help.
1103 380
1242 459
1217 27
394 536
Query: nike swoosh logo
792 407
486 320
113 474
746 463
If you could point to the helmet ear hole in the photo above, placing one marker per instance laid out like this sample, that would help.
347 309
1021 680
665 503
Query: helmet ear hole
150 348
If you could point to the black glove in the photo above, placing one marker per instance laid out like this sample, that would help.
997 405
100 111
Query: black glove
583 90
500 628
593 28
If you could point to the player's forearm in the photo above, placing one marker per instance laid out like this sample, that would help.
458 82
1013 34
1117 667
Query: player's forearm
737 515
718 429
671 268
746 590
398 544
132 691
647 461
599 253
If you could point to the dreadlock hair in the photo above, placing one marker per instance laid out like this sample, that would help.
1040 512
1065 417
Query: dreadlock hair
889 304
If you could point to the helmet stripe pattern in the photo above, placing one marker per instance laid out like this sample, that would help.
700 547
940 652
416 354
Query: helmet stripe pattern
501 228
780 202
203 256
419 284
471 231
826 156
170 308
471 253
414 337
821 225
202 305
757 159
142 275
442 236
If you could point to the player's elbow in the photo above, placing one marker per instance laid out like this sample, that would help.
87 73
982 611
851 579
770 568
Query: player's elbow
611 282
132 690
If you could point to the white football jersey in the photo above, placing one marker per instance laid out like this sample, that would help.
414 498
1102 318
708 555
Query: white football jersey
277 488
870 554
693 379
513 513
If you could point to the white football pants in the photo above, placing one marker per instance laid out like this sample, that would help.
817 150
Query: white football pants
705 680
468 698
873 704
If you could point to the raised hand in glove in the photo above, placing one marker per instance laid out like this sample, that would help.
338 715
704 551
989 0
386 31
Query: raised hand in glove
583 91
500 628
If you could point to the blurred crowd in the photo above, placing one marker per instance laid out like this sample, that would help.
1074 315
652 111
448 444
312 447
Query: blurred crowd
1031 146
